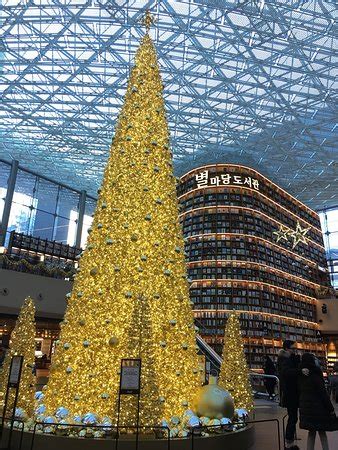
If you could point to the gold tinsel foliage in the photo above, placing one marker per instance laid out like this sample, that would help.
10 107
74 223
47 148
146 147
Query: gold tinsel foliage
22 342
131 284
234 374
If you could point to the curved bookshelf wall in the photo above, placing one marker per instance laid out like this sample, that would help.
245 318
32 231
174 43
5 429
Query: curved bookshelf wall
252 247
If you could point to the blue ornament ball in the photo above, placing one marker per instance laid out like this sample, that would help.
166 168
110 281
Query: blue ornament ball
49 419
90 419
62 412
40 409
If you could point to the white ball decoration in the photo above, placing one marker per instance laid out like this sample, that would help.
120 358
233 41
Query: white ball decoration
49 419
188 413
20 413
86 344
98 434
66 345
205 421
241 413
82 433
225 421
193 422
39 395
175 420
107 423
174 432
182 434
164 423
41 409
69 369
62 412
90 419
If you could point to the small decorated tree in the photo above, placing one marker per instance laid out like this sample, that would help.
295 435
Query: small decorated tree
22 343
234 375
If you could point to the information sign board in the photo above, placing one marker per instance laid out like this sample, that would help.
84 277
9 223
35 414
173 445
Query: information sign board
130 376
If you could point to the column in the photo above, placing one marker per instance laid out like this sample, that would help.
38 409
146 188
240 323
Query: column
82 206
8 201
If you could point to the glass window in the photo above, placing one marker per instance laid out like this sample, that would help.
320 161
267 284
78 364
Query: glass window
332 220
68 203
4 174
46 195
20 219
65 230
24 188
43 226
333 242
87 220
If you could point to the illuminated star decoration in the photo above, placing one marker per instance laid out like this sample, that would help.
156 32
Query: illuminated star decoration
282 233
299 235
148 20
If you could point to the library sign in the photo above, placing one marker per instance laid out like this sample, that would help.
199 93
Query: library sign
203 179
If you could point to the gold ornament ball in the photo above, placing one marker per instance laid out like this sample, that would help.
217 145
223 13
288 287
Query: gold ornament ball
113 341
214 402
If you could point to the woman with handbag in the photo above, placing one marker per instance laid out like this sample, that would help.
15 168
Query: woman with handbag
316 410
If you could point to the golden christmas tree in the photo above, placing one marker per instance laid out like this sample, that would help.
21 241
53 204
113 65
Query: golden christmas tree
134 262
234 374
22 343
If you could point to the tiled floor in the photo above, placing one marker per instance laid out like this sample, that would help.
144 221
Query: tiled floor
266 433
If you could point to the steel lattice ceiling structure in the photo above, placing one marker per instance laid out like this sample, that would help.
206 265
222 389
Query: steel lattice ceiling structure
250 82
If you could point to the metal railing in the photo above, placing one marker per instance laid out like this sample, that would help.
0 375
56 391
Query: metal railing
114 431
263 376
22 428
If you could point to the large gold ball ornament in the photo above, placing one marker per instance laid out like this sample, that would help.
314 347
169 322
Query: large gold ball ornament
213 402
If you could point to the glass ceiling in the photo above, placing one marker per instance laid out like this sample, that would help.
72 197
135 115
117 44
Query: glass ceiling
250 82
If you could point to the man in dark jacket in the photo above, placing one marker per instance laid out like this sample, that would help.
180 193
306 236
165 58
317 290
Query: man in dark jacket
288 372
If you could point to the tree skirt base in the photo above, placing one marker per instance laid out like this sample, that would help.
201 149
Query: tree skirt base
238 440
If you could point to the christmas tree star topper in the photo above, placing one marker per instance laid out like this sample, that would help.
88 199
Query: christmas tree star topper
148 20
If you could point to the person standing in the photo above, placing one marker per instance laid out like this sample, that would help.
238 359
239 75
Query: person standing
288 372
270 383
316 410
